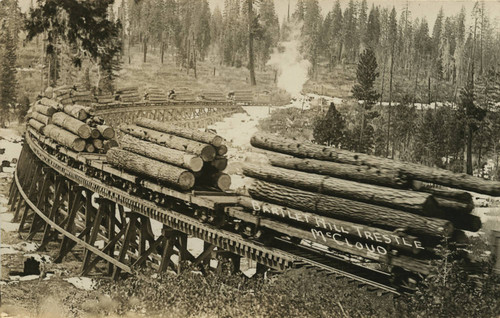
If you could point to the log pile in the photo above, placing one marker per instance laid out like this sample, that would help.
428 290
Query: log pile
155 94
181 157
104 99
128 95
360 204
73 126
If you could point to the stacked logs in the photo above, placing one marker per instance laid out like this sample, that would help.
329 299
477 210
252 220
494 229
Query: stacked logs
73 126
181 157
128 95
372 207
155 94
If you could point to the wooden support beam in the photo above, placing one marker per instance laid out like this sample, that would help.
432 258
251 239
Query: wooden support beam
53 211
12 190
168 248
93 233
106 248
37 222
111 233
35 179
205 255
144 256
130 234
73 206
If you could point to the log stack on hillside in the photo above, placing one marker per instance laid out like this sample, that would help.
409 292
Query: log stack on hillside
73 126
182 157
360 204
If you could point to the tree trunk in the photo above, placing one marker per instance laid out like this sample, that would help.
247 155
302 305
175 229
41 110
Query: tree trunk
89 147
383 81
292 216
341 243
210 176
373 215
98 144
94 133
41 118
219 163
457 195
72 124
168 155
108 144
193 134
205 151
221 150
145 49
251 66
371 175
38 126
76 111
454 206
45 110
50 102
390 105
162 46
468 222
107 132
410 171
469 150
152 168
412 201
64 137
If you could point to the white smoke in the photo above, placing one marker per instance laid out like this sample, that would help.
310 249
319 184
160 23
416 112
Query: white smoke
292 68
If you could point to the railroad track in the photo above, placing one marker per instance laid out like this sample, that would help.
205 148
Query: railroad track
48 176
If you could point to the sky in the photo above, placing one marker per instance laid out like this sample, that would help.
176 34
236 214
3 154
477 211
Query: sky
419 8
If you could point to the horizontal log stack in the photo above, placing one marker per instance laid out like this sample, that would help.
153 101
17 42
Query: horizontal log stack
359 204
181 157
128 95
71 125
155 95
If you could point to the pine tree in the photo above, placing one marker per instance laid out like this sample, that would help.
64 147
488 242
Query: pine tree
311 31
330 129
8 80
90 34
366 75
372 35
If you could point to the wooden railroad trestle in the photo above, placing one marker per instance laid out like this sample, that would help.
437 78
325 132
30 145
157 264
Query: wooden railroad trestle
192 116
54 202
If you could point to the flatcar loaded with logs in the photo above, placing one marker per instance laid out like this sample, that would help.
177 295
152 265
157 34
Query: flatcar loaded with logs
308 204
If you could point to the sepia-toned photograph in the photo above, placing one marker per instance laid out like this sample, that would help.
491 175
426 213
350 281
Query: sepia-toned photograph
249 158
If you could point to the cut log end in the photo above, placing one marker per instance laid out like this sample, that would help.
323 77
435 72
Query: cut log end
217 141
94 133
79 145
222 150
107 132
196 164
186 180
84 132
223 182
208 153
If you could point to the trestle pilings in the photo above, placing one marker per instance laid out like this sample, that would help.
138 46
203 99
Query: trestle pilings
63 215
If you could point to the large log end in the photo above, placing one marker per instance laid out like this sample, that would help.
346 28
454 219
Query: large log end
186 180
195 163
208 153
